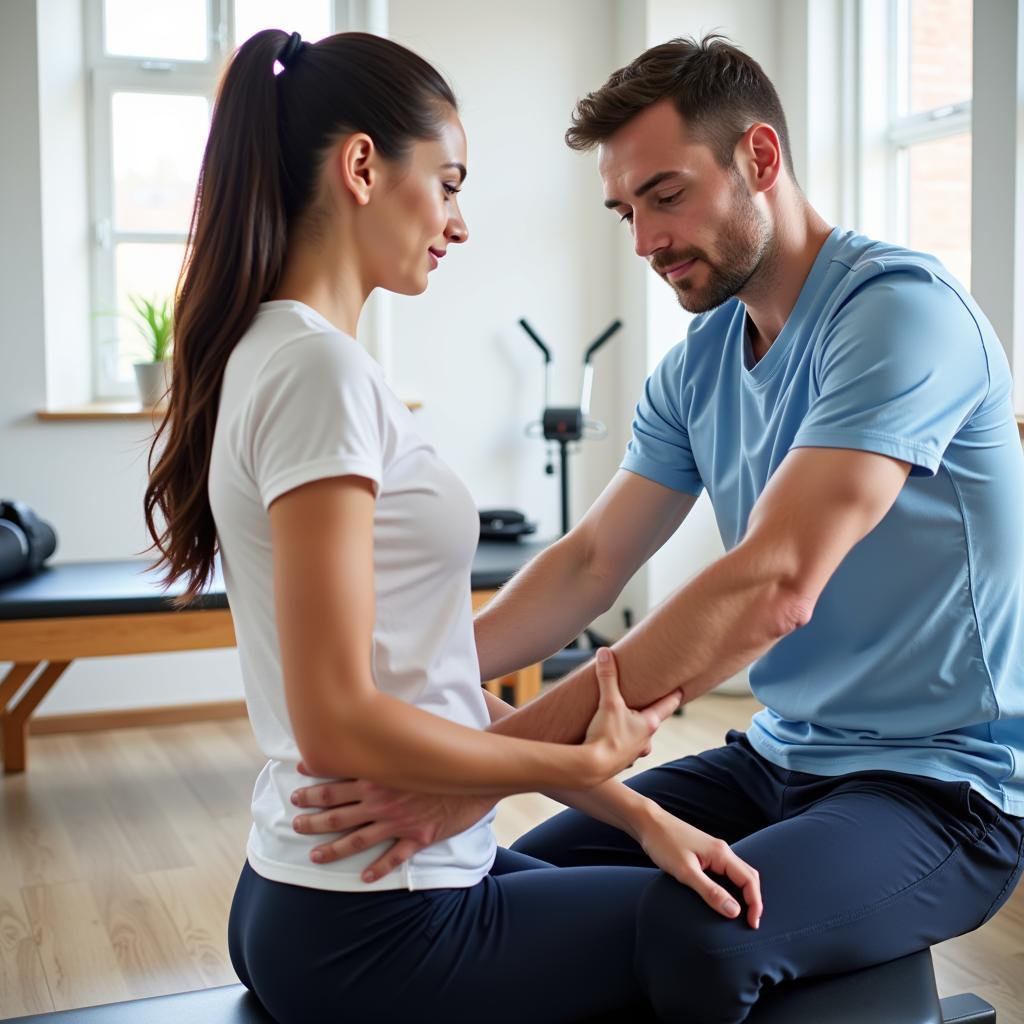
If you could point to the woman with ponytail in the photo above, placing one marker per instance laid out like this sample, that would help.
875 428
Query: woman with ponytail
346 547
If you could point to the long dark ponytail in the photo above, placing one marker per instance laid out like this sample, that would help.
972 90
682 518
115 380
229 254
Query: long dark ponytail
268 137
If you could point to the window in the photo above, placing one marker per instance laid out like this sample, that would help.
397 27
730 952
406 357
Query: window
153 69
932 129
917 160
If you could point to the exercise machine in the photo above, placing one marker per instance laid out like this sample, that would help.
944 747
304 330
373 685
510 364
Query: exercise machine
563 426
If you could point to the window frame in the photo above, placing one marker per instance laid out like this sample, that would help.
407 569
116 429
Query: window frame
886 133
997 155
107 74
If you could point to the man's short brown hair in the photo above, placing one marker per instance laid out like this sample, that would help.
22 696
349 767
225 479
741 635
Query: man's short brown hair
719 90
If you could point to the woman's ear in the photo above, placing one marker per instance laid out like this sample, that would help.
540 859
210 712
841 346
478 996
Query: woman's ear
356 167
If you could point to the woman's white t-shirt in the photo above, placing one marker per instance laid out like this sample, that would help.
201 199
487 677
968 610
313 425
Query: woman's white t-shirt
301 401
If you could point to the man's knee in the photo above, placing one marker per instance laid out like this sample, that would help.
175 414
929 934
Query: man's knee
549 840
572 839
690 960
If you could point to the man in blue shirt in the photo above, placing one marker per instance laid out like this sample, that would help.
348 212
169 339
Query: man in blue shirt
847 406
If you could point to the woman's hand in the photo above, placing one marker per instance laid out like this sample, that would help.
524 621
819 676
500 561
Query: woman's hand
619 734
687 854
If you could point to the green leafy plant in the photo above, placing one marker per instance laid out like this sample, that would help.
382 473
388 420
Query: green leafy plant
155 321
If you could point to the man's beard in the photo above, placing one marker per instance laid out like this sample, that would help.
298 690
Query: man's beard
742 247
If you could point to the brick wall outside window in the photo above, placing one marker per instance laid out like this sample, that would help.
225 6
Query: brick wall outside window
939 172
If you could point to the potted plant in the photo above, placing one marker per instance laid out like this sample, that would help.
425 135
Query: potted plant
155 321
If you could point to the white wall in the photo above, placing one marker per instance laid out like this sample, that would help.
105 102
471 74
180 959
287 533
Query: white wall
88 478
62 98
633 279
997 210
541 246
752 25
538 248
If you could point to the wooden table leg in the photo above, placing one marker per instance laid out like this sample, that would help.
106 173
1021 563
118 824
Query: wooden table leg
14 680
15 719
16 676
526 684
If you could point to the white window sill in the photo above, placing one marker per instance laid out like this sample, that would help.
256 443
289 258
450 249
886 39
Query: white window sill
126 409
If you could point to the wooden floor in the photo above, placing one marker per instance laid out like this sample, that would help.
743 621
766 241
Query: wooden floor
119 853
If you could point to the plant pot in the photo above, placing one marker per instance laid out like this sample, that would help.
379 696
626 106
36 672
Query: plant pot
153 380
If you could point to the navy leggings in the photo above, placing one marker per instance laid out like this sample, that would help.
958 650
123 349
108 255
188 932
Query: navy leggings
855 870
530 942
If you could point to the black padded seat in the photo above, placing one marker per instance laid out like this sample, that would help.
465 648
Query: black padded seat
899 992
228 1004
121 586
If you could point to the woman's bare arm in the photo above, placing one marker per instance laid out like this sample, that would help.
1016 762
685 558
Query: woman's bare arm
322 538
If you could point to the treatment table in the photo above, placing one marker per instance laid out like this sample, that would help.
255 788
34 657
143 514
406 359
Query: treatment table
99 609
897 992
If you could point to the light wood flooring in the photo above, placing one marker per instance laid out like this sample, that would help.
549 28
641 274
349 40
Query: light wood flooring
119 852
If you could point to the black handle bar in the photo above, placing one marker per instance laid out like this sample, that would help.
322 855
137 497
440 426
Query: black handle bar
540 344
609 331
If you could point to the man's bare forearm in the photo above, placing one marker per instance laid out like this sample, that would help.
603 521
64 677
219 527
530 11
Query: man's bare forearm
539 611
722 620
611 802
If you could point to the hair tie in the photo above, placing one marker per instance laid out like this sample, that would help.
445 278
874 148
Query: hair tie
291 50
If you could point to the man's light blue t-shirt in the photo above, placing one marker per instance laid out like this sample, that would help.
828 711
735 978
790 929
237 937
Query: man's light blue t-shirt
913 658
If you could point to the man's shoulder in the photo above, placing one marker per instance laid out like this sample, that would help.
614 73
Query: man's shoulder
882 289
903 309
868 263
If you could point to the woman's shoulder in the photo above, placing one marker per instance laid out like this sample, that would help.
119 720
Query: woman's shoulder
288 340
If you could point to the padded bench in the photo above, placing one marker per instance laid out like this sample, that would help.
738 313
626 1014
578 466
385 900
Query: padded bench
899 992
97 609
